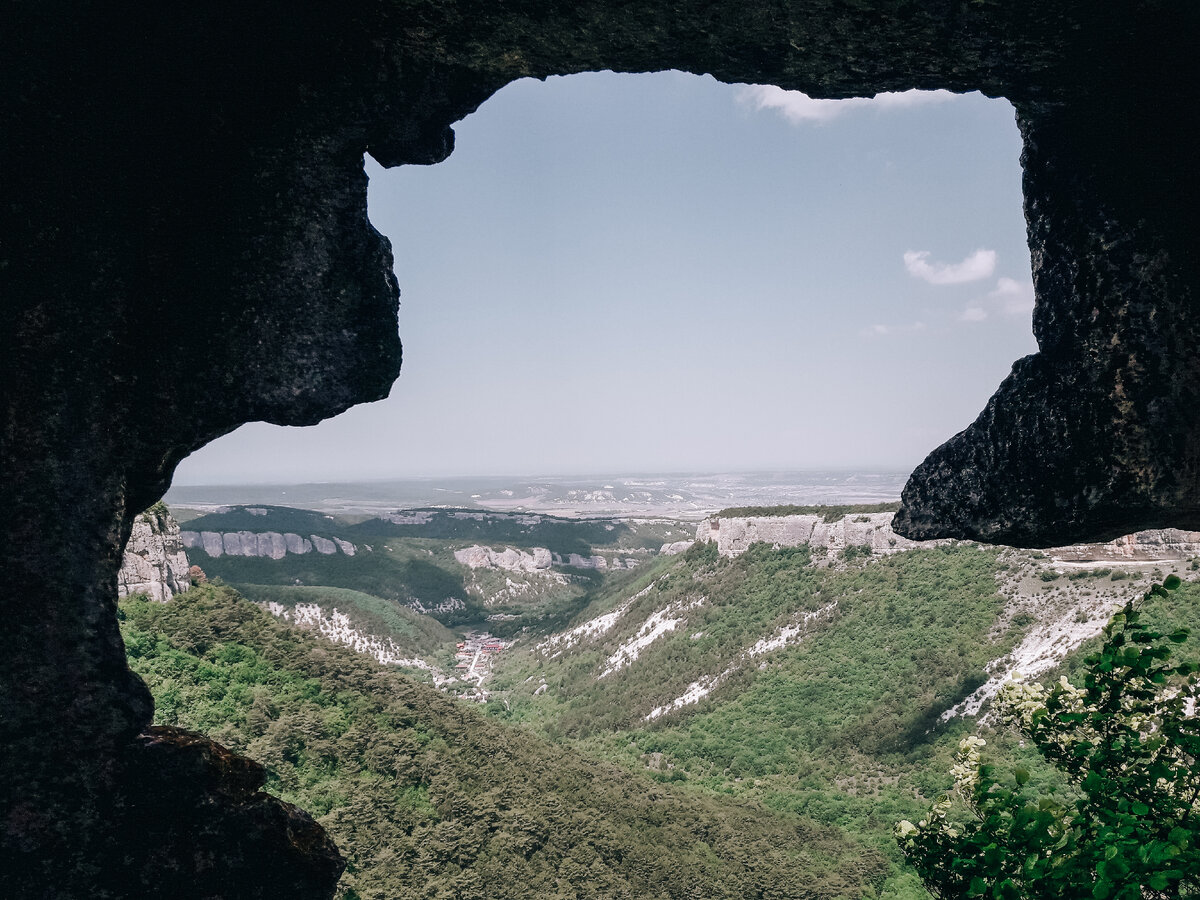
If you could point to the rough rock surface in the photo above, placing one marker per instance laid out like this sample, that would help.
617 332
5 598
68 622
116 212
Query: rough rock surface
270 544
154 563
675 547
1158 543
735 534
509 559
184 247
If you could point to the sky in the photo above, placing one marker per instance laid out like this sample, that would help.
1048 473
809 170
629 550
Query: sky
661 273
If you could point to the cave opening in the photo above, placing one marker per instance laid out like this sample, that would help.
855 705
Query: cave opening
178 279
664 273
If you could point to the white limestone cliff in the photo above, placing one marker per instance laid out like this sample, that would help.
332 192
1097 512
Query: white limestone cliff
154 563
538 560
269 544
510 559
734 534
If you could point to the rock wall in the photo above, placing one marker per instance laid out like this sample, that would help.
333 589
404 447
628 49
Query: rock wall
509 559
270 544
539 559
154 562
595 561
735 534
1156 544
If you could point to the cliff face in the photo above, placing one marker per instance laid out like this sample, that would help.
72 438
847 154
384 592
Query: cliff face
154 562
538 560
735 534
270 544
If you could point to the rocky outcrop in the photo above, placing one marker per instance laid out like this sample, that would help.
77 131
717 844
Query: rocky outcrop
195 823
675 547
539 559
270 544
735 534
510 559
154 563
209 261
1144 546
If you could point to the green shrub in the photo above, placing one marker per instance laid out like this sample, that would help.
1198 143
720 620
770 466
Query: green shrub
1128 829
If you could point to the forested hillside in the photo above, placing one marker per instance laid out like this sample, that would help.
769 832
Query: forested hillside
809 685
699 725
429 799
421 559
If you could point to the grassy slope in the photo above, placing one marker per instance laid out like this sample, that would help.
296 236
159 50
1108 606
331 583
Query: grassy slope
429 799
905 640
403 572
840 728
414 633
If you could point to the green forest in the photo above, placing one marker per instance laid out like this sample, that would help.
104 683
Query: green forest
785 781
427 798
841 728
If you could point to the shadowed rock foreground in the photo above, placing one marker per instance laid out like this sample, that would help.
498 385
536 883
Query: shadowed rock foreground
184 247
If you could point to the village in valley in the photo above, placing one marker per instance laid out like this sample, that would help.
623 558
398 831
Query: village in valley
474 655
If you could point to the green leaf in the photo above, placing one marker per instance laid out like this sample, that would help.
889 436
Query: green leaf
1171 582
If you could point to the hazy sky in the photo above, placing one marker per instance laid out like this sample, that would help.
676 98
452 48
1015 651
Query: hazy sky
616 273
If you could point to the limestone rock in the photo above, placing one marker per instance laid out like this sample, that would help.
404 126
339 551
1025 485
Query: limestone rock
154 562
269 544
296 544
578 561
734 534
510 559
323 545
1156 544
672 549
210 541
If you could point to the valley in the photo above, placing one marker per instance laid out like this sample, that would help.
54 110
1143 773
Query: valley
803 661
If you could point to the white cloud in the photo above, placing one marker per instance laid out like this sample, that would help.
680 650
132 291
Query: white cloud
980 264
1015 298
799 108
973 314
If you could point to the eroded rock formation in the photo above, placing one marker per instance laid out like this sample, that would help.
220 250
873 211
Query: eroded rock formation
184 247
733 535
538 560
154 563
270 544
